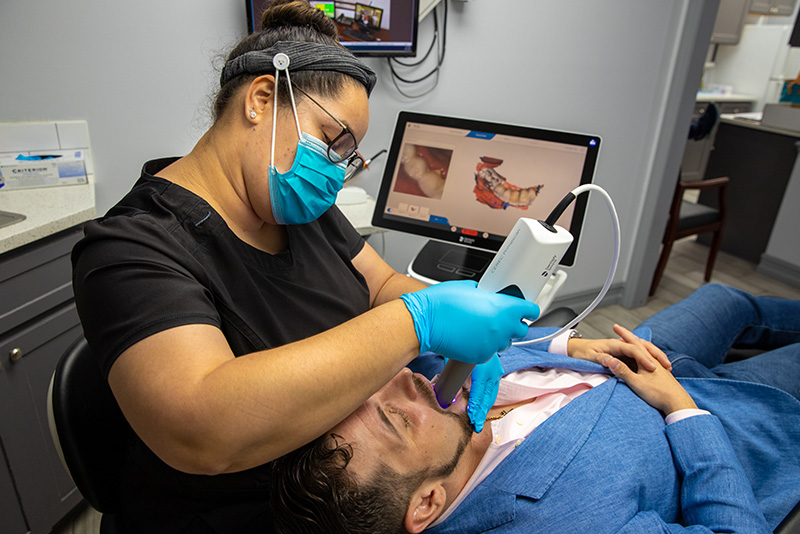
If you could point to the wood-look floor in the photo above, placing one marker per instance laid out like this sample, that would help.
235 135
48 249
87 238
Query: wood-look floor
85 520
684 274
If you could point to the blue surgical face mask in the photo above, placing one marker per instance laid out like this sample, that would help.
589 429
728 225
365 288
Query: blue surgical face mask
309 188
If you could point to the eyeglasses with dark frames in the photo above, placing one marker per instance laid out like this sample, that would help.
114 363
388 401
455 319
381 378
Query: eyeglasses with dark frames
343 147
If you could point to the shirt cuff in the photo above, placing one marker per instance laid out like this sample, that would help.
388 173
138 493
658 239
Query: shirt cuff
679 415
558 345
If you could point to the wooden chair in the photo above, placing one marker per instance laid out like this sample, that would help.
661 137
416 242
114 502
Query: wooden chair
687 218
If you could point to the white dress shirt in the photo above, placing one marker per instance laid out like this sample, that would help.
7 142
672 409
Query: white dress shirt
551 389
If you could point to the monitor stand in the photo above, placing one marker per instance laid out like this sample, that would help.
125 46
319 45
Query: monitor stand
439 261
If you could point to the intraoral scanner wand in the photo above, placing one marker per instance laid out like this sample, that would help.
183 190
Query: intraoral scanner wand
522 266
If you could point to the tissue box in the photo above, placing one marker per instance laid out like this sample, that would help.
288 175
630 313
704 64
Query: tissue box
67 169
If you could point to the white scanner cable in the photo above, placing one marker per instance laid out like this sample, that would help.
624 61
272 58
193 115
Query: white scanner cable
615 259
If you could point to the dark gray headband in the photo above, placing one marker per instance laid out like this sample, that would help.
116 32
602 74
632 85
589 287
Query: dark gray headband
303 55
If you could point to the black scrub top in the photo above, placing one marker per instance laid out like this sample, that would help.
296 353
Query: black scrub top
161 258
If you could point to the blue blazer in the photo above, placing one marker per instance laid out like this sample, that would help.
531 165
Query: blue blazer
607 463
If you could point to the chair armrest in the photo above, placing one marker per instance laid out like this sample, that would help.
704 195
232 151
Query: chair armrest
705 184
720 184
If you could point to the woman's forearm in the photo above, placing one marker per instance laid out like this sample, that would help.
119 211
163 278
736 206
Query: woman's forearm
230 414
395 286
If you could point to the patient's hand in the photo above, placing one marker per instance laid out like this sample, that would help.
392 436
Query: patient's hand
657 387
631 349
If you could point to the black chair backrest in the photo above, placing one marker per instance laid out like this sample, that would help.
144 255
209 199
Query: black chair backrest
791 524
92 432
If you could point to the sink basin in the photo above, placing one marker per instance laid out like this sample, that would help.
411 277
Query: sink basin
7 218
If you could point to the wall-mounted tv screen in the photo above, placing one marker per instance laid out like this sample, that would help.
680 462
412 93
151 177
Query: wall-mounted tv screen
466 182
385 28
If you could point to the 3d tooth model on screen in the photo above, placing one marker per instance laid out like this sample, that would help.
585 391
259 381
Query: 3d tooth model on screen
492 188
421 166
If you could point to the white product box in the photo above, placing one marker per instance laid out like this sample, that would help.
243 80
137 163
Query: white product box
67 168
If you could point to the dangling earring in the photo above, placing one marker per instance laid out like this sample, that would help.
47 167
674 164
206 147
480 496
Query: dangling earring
252 114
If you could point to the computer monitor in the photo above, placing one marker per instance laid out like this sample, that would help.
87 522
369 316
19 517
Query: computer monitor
464 183
383 28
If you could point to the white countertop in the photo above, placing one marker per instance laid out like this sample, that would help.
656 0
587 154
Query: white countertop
747 120
731 97
47 210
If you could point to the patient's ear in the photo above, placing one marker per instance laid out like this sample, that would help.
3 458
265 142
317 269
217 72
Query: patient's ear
427 503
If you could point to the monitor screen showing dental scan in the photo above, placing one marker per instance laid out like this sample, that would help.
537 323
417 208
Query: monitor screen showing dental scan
467 182
385 28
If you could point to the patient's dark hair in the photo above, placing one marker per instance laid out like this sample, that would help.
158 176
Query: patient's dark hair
312 492
287 20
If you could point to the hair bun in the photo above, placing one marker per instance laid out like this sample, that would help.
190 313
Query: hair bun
288 13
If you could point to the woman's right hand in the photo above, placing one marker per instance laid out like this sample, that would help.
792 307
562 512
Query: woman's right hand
459 321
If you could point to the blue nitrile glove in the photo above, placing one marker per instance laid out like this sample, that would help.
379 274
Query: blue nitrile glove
459 321
483 392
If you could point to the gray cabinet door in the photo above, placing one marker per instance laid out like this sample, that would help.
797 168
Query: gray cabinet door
43 486
761 7
11 519
782 8
730 19
695 155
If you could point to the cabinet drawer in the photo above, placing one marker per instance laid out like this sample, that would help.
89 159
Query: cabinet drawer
734 107
699 109
35 278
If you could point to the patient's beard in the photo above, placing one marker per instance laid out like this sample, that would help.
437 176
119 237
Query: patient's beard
465 436
424 389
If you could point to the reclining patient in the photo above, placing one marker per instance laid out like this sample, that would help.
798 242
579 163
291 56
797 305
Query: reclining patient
569 447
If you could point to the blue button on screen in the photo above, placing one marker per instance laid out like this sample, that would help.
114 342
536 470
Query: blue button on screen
480 135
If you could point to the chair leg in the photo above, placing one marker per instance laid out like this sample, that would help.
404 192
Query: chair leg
716 242
662 264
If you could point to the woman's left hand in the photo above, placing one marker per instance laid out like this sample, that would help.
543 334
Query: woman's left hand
483 391
628 347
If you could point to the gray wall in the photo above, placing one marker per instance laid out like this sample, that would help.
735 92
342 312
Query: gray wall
781 259
625 70
140 73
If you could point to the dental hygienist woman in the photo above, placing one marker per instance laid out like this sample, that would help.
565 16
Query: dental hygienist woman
235 312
